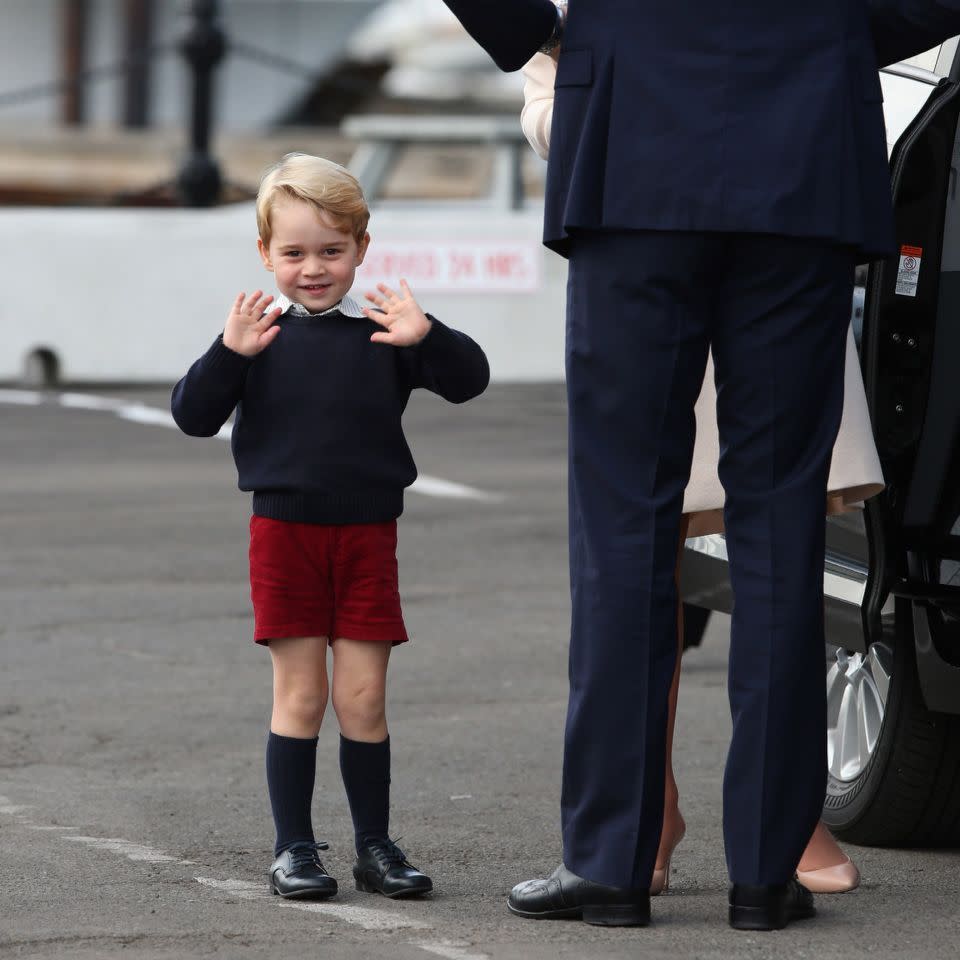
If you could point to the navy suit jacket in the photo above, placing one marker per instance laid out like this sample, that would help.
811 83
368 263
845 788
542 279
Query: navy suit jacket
751 116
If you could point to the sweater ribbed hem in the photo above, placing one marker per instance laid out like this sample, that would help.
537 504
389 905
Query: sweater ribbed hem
332 508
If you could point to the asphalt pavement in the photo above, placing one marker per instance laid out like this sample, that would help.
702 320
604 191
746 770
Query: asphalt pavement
134 709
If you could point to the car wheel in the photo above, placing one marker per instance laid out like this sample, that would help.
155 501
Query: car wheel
894 766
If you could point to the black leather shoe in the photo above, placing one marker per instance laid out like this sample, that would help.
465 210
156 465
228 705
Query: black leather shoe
565 895
298 874
382 867
769 907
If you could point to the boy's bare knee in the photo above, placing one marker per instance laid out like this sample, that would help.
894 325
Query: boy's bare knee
360 704
301 708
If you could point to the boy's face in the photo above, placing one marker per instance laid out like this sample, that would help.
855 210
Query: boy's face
313 261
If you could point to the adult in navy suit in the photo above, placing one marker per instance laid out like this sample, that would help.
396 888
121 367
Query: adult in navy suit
716 170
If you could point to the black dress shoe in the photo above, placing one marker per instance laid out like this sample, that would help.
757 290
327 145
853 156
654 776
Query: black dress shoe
565 895
769 907
298 874
382 867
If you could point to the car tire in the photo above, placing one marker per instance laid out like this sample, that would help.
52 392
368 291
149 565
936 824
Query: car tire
908 792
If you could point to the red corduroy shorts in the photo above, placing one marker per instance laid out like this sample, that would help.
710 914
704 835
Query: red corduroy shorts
318 580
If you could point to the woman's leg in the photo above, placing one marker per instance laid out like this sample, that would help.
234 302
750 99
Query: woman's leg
359 699
824 867
822 851
299 700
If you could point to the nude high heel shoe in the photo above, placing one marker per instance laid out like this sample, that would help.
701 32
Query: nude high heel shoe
839 878
660 882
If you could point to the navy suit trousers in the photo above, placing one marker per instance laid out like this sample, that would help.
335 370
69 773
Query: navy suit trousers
643 310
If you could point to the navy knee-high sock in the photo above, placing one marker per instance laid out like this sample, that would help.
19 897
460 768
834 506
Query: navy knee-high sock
366 776
291 769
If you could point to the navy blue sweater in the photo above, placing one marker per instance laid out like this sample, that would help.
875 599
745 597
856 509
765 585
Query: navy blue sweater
317 435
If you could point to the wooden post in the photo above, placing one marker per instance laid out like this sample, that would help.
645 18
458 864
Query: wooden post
138 35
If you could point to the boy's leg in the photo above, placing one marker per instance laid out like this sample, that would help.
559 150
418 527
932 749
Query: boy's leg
359 699
299 701
299 685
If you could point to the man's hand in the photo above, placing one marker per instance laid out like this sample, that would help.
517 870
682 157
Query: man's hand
249 329
406 324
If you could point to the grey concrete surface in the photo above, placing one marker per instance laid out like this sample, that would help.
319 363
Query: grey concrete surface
134 708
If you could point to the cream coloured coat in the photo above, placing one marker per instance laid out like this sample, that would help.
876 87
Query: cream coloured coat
855 473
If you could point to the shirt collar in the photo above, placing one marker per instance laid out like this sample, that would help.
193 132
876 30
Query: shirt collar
347 306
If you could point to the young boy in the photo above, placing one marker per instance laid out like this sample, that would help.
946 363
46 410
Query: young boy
319 385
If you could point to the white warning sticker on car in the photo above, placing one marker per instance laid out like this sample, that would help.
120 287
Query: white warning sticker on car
909 273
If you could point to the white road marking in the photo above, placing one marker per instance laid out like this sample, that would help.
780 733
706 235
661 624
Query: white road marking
452 951
438 487
348 913
358 916
127 848
141 413
462 796
25 398
87 401
424 485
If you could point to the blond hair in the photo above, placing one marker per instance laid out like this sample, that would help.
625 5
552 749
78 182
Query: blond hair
325 185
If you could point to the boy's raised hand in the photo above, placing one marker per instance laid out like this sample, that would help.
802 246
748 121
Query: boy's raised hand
405 323
249 329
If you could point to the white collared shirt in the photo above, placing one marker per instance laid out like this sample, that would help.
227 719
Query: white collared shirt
347 306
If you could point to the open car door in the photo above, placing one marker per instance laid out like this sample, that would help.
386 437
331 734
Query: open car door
894 733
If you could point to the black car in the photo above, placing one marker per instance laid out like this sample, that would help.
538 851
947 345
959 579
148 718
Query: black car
892 571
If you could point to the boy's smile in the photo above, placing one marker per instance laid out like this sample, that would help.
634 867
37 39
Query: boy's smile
314 261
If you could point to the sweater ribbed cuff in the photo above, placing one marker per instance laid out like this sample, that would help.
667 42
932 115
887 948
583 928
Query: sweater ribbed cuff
221 357
440 341
456 362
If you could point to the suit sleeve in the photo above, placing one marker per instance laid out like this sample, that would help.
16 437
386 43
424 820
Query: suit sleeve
511 31
536 117
904 28
448 363
204 399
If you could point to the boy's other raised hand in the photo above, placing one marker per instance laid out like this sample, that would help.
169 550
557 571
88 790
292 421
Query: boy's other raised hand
405 323
249 329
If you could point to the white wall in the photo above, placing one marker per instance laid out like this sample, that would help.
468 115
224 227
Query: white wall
137 295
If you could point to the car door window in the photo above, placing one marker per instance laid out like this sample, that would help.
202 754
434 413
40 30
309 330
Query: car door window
927 60
937 60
